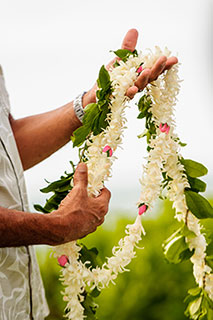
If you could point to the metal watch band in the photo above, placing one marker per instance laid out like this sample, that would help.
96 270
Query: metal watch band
78 108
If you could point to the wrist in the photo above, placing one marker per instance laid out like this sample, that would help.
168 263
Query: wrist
81 101
89 97
55 228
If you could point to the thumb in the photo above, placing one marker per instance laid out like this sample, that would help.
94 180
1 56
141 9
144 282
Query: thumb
81 175
129 43
130 40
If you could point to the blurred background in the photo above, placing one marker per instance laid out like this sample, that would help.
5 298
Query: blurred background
50 52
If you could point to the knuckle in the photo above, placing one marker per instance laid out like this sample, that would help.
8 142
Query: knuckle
109 193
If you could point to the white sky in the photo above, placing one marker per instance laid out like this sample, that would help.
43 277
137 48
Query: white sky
52 50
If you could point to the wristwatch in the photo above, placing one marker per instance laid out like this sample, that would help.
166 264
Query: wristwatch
78 108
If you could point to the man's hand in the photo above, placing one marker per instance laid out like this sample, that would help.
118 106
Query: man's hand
78 214
146 76
37 137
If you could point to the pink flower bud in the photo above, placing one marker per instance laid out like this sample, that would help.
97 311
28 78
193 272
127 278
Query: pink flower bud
164 128
62 260
139 70
108 150
142 209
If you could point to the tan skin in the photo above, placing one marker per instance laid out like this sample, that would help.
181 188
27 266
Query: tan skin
39 136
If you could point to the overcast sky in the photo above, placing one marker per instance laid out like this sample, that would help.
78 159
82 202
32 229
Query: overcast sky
52 50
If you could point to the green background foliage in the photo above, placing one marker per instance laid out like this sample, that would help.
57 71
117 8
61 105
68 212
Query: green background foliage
153 290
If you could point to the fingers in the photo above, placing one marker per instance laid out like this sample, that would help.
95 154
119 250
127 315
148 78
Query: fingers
129 43
81 175
130 40
158 68
170 62
101 221
131 92
143 79
104 196
102 201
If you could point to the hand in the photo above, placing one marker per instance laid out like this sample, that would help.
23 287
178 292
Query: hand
146 76
78 214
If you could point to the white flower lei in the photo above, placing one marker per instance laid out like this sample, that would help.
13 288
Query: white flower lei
163 157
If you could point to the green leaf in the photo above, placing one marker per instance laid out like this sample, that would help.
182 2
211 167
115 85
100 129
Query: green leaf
186 254
96 129
194 169
95 293
103 123
182 144
91 111
141 115
198 205
89 307
104 79
90 255
53 202
197 185
59 185
194 291
143 106
124 54
116 64
79 135
39 208
187 233
207 230
195 305
175 248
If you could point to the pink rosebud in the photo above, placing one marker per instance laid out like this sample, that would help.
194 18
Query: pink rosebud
62 260
139 70
108 150
142 209
164 128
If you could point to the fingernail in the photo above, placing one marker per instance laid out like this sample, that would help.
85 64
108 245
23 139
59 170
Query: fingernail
81 167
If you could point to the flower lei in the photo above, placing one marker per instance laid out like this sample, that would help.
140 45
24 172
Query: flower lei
166 174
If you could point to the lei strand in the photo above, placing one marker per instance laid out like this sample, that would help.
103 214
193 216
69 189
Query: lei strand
165 175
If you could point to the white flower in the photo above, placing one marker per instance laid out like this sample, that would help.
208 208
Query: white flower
163 158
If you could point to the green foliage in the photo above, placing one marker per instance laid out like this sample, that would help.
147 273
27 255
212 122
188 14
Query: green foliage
79 135
194 169
153 290
197 185
198 205
175 247
104 79
60 189
90 307
91 256
94 120
199 305
124 54
144 105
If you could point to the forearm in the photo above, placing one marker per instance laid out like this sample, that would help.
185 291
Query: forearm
39 136
19 228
